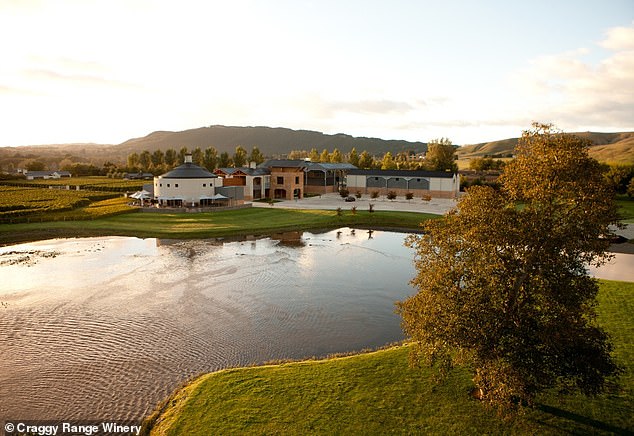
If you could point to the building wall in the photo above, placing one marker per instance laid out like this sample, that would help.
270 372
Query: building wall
287 179
440 187
251 187
190 190
314 189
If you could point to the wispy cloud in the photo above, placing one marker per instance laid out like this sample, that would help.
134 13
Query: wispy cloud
576 93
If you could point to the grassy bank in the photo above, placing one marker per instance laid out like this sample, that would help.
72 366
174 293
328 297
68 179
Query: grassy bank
208 225
377 393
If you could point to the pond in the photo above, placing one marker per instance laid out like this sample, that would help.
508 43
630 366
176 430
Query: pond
105 328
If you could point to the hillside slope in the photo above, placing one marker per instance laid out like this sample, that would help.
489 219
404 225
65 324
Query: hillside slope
271 141
607 147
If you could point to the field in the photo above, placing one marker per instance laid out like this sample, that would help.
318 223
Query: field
377 393
626 209
16 203
249 221
86 183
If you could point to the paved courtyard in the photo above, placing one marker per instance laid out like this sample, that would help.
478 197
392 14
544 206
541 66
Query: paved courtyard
438 206
332 201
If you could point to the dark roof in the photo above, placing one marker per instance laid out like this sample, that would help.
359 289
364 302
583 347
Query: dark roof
188 171
284 163
330 166
246 170
401 173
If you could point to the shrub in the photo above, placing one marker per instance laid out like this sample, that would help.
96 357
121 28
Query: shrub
426 197
358 194
374 194
344 192
409 195
339 211
371 208
391 195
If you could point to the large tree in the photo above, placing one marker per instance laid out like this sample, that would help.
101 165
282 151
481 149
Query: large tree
441 155
240 157
502 280
210 158
256 156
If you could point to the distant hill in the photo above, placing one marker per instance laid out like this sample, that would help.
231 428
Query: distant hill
276 142
271 141
607 147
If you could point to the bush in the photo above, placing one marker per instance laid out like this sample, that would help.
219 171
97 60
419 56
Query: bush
371 208
409 195
374 194
344 192
391 195
358 194
339 211
426 197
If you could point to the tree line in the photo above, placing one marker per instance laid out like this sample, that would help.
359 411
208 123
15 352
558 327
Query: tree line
440 156
160 161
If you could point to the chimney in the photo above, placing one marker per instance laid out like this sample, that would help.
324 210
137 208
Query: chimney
253 165
188 158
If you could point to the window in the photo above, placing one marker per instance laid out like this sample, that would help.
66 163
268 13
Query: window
168 185
176 185
161 185
376 179
418 180
204 185
397 179
297 180
280 180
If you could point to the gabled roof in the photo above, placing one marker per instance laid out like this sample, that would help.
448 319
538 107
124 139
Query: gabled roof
244 170
330 166
284 163
401 173
188 171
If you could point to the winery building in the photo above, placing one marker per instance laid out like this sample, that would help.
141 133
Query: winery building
433 183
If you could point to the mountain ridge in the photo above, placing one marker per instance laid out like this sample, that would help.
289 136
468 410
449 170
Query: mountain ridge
279 141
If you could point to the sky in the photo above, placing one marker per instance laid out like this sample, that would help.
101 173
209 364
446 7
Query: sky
472 71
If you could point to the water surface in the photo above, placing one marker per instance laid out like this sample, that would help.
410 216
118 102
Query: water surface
104 328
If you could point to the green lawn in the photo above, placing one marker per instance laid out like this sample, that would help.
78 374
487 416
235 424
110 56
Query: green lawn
211 224
377 393
626 208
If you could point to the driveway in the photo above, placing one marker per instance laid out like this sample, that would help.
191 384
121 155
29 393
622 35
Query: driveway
437 206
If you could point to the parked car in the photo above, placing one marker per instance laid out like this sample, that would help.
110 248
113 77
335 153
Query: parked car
350 198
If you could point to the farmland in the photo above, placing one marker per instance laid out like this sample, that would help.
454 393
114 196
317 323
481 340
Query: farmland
86 183
18 204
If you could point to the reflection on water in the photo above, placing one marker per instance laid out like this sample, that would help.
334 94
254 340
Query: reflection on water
104 328
107 327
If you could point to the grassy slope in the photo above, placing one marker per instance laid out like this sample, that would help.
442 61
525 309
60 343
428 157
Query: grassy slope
615 148
626 209
377 393
212 224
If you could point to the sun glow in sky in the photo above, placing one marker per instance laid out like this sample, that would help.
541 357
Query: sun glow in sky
107 71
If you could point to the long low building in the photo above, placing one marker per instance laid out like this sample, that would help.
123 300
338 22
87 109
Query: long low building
434 183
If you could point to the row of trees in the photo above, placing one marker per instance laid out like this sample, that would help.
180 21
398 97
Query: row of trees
440 156
209 158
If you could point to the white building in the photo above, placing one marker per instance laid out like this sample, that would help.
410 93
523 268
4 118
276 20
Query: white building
187 185
432 183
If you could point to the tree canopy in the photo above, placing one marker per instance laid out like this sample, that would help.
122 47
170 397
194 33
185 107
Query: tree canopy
501 281
441 155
